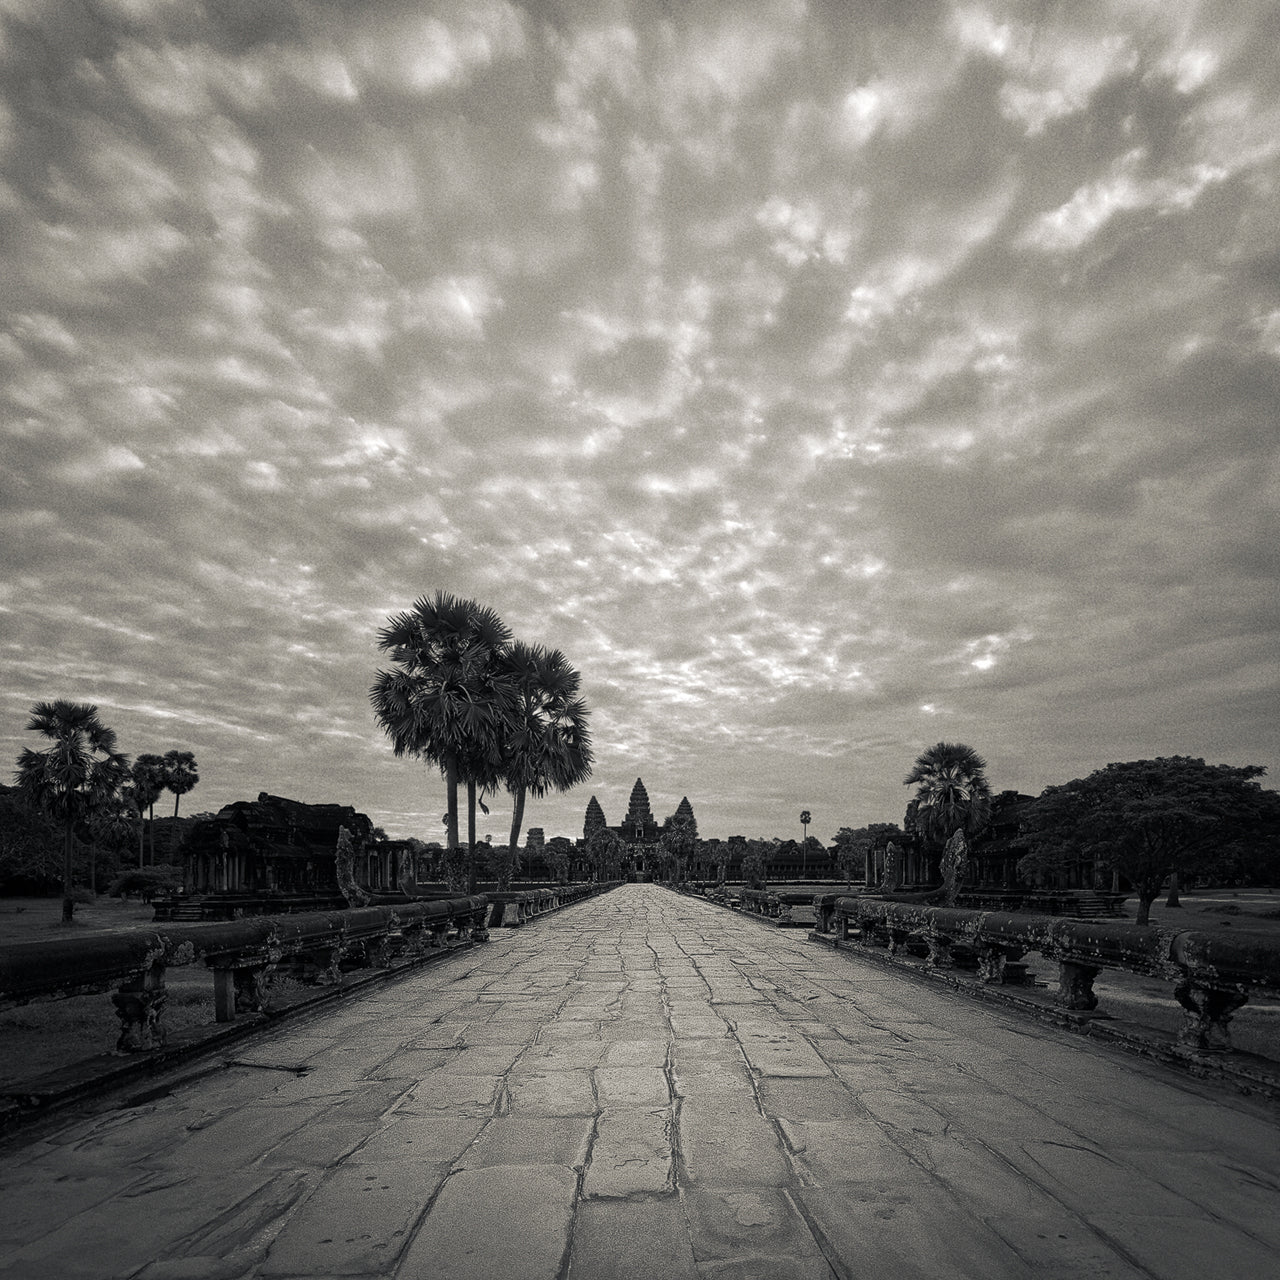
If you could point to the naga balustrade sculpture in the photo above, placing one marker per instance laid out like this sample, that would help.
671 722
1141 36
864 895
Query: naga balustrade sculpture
1212 975
242 954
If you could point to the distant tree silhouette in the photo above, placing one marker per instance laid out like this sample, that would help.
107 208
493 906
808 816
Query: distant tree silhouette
78 772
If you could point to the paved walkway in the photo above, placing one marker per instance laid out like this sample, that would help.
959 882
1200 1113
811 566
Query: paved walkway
649 1086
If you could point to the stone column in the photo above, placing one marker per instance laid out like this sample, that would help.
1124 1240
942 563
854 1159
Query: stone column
1075 986
1207 1013
139 1004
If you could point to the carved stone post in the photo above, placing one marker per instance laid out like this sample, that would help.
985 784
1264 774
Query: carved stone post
1075 986
1207 1013
991 963
939 950
139 1004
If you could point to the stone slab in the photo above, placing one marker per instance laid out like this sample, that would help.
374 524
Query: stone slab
632 1153
632 1240
510 1221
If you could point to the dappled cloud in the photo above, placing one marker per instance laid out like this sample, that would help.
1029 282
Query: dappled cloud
824 379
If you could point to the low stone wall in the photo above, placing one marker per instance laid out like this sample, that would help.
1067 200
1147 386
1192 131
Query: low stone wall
243 955
1211 976
511 908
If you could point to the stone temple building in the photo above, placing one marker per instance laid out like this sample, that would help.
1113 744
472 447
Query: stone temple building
639 829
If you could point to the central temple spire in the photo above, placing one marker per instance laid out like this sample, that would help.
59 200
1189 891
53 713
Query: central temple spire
638 806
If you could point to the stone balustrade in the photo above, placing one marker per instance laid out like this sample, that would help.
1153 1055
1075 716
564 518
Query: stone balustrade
243 954
512 908
1211 974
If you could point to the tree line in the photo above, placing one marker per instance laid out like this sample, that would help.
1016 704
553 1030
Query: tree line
1151 822
84 788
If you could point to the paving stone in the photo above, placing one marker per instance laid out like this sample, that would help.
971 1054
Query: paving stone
551 1093
526 1211
632 1086
117 1237
631 1153
636 1053
809 1267
773 1051
357 1221
1189 1248
887 1233
516 1139
746 1222
448 1093
1057 1245
838 1151
434 1139
724 1148
823 1098
631 1240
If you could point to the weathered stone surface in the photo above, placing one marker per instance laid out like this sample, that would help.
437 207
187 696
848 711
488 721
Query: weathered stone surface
632 1240
513 1139
510 1221
551 1093
743 1222
434 1139
631 1153
890 1233
357 1221
730 1148
632 1086
918 1136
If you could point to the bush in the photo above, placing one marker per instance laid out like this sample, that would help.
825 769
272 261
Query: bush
146 882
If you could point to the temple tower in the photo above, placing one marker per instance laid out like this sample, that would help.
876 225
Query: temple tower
638 825
594 820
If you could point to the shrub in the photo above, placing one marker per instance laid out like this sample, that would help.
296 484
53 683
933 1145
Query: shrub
146 882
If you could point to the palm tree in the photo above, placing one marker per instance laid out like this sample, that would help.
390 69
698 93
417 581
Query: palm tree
180 775
148 782
548 745
447 699
77 772
805 819
951 793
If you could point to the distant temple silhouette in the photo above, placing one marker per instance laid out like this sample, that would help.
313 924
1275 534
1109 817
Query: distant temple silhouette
640 830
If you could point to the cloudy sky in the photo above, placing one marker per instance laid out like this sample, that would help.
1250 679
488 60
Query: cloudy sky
826 379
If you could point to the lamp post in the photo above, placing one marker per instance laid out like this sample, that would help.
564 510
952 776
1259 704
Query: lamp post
804 851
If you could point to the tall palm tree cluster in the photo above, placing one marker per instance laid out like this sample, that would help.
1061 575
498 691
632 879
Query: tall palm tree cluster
952 794
81 778
486 709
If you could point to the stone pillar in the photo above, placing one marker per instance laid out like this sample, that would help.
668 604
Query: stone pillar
1207 1013
139 1004
939 950
1075 986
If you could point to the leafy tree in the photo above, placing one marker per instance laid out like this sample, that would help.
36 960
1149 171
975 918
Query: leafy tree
180 775
559 855
854 843
605 850
952 794
449 697
28 841
679 838
547 746
755 865
74 775
851 851
1149 818
147 775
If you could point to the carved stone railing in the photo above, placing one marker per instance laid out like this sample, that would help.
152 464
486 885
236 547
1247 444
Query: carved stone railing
243 954
1211 974
512 908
